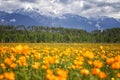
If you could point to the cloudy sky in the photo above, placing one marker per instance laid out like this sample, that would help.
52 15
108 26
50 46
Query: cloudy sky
87 8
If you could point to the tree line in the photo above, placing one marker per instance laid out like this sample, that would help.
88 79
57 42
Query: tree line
38 34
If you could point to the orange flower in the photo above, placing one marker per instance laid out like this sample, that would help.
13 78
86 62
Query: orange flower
13 65
95 71
77 62
49 71
109 60
62 73
36 65
37 56
45 66
84 71
3 66
1 76
8 61
22 61
116 65
59 78
51 60
117 58
88 54
50 75
118 75
90 62
12 58
97 64
102 75
9 75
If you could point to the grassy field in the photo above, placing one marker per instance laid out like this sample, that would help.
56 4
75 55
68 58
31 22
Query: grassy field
59 61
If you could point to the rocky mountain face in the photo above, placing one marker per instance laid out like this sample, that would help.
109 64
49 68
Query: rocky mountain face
29 17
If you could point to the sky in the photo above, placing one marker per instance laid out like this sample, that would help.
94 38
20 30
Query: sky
86 8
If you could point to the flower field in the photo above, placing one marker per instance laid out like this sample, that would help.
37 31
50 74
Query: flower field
59 61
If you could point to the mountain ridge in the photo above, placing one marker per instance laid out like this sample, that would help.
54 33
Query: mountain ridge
30 17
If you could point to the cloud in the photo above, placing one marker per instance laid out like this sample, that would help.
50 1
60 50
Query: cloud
31 1
64 1
87 8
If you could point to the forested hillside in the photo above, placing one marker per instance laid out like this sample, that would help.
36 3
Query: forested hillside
52 34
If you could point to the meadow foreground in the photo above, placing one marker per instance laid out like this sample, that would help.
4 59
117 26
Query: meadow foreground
59 61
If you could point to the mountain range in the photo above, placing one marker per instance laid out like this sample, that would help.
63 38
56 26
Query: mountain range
31 17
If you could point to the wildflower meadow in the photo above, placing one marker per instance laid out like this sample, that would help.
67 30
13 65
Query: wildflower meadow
59 61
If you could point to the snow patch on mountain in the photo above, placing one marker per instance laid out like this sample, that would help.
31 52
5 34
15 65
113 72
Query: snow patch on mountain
98 25
12 20
2 20
89 22
118 20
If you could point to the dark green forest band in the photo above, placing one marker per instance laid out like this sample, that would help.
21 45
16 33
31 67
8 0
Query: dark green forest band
52 34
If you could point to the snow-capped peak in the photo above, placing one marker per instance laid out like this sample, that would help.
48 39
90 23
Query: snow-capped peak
118 20
29 8
26 10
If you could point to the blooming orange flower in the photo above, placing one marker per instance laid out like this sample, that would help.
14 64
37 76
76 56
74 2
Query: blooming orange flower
3 66
116 65
50 75
13 65
88 54
117 58
109 60
8 61
22 61
9 75
62 73
49 71
37 56
102 75
45 66
1 77
97 64
118 75
77 62
95 71
36 65
84 71
90 62
12 58
51 60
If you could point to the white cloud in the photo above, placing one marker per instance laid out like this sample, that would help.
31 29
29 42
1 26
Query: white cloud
86 8
114 14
